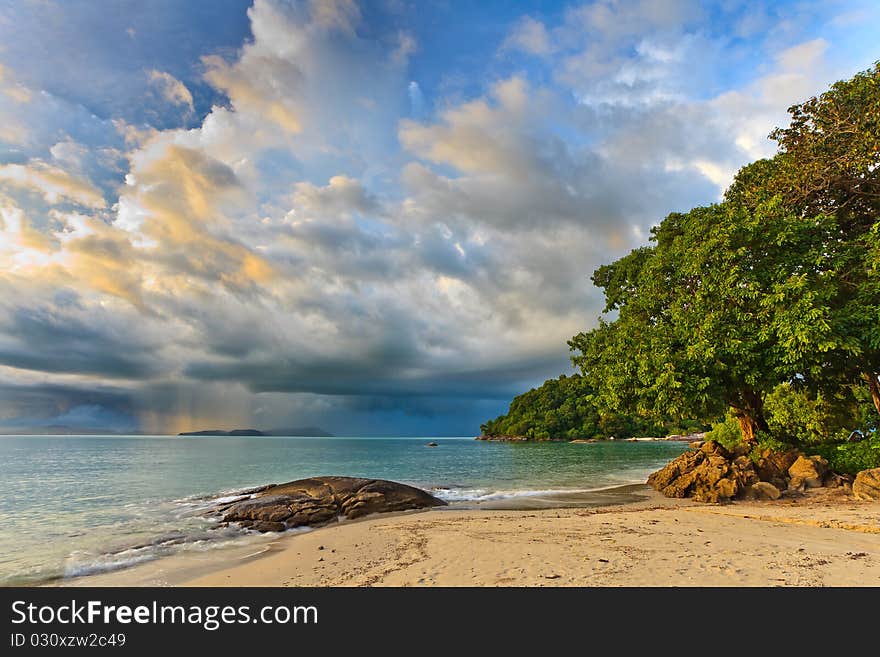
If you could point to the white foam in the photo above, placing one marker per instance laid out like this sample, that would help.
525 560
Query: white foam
229 498
484 495
106 565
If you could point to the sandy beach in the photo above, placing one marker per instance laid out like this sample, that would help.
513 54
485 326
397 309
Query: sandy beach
824 538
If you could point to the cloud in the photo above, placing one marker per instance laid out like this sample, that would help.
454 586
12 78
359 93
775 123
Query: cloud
406 46
54 184
341 197
804 56
530 36
342 15
615 20
13 90
65 339
37 407
171 89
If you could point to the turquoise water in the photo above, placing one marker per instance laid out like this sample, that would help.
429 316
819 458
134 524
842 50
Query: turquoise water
75 505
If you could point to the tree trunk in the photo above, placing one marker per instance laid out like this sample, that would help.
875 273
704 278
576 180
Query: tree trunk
873 380
749 412
750 426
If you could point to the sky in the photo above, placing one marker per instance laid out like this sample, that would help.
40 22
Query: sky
375 217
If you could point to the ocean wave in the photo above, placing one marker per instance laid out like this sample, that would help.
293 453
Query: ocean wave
81 564
106 565
485 495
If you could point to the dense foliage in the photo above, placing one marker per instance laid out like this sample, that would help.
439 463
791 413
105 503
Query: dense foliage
765 306
850 458
563 409
802 417
713 316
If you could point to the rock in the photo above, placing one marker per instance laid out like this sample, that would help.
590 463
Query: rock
720 490
834 480
675 478
773 466
696 444
762 490
744 471
807 472
867 485
708 474
712 448
267 526
321 499
431 444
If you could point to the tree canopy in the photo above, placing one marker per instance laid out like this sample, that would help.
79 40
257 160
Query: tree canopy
829 163
778 283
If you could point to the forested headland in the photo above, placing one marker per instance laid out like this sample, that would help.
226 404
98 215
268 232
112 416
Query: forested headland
563 409
758 315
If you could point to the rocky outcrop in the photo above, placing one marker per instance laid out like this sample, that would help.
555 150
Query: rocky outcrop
709 472
807 472
320 500
867 485
772 467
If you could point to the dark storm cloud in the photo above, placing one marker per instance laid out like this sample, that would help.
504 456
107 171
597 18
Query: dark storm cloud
34 407
46 340
382 377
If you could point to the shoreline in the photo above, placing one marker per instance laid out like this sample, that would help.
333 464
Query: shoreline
823 538
178 565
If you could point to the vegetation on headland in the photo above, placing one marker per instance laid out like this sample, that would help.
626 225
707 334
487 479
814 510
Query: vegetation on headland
760 313
562 409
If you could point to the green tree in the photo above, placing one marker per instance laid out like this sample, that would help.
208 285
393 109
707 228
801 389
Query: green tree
829 164
779 283
803 417
727 303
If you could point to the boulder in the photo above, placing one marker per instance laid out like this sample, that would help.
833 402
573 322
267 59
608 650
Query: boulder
807 472
744 471
867 485
319 500
834 480
720 490
708 474
773 466
762 490
676 477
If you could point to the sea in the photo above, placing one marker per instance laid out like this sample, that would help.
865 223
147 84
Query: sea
79 505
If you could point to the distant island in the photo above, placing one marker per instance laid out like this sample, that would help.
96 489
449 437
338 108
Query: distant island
285 431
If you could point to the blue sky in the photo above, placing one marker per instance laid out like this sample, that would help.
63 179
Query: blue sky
377 217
